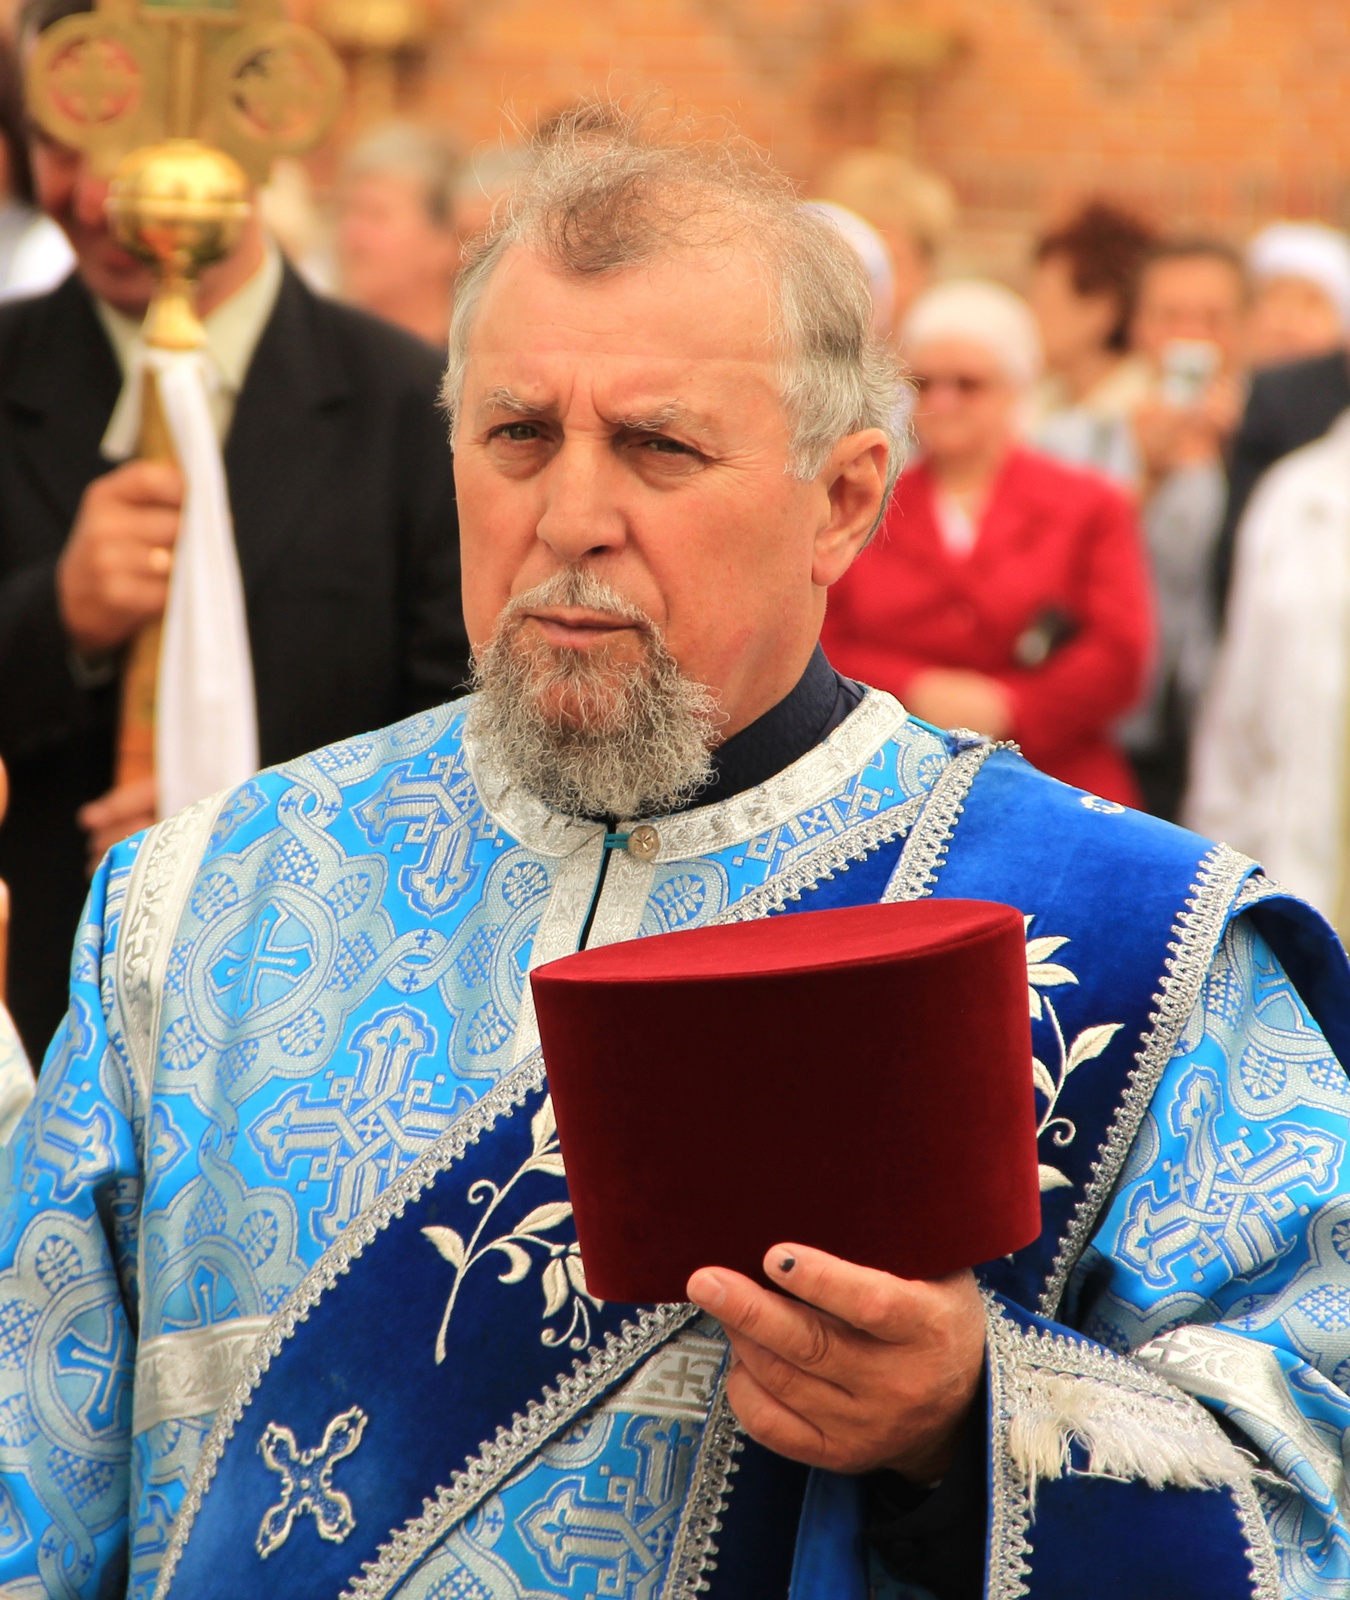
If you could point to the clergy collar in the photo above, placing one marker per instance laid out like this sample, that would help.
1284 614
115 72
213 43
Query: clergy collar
798 723
831 755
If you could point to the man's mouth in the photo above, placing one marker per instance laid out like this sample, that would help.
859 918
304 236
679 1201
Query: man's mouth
578 628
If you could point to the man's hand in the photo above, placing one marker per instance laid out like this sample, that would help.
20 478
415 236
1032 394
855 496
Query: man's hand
119 814
952 697
113 574
861 1370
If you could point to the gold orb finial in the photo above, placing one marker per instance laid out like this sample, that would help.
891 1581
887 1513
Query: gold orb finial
180 205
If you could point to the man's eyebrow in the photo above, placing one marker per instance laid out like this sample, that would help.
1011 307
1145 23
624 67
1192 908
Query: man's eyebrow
671 415
504 399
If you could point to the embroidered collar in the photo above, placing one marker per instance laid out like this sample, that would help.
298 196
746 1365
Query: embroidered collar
704 830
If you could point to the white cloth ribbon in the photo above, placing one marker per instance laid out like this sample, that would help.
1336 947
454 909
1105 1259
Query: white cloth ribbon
206 718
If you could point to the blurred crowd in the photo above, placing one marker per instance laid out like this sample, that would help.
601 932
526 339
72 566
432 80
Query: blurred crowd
1123 536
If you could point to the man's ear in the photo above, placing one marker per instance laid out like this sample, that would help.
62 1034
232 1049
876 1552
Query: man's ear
854 480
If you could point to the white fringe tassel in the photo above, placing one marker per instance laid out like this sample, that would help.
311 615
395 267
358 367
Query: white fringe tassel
1146 1438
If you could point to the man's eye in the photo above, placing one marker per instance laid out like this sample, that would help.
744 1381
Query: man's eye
516 432
664 446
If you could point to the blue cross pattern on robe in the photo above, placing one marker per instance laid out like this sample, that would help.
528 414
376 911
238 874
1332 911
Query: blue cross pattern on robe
362 1130
260 967
307 1481
72 1147
1225 1200
96 1359
625 1537
432 809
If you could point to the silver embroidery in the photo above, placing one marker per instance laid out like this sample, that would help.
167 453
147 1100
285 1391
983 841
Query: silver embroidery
855 845
191 1374
706 830
623 899
1261 1552
1009 1495
1049 1391
307 1481
917 869
1196 935
560 927
348 1246
1256 888
500 1457
680 1380
160 881
1228 1370
692 1550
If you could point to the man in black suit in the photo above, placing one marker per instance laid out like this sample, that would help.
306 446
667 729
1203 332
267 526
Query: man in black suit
342 495
1289 406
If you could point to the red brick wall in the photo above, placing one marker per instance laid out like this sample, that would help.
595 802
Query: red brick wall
1219 113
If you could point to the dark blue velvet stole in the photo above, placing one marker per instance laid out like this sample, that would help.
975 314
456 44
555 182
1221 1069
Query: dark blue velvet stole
364 1357
365 1348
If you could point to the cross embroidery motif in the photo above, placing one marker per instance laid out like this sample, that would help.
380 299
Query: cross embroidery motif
256 968
307 1481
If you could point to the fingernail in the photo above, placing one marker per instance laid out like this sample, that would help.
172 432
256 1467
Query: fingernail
787 1263
712 1290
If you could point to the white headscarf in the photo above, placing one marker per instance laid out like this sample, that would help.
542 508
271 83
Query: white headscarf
983 313
1308 250
872 251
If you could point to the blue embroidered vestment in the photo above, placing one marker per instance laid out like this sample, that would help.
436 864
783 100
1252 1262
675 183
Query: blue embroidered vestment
290 1299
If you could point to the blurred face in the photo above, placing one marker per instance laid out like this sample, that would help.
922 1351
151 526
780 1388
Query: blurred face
1291 318
913 270
1072 325
965 408
630 428
1190 297
389 249
73 197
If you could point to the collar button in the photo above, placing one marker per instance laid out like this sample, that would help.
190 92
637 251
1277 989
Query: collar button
644 842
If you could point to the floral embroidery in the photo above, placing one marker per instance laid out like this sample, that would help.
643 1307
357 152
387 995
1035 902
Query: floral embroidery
1042 973
563 1279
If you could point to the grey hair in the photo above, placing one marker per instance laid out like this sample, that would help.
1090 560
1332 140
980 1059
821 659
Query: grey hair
430 158
601 195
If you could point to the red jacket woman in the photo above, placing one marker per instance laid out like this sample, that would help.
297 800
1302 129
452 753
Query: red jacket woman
1005 592
1051 603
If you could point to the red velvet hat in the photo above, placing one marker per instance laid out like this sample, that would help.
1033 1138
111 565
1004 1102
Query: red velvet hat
859 1080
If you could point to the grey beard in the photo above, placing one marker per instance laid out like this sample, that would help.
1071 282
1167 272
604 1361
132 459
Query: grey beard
634 738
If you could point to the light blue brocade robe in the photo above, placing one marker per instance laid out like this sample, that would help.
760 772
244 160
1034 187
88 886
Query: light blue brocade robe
283 998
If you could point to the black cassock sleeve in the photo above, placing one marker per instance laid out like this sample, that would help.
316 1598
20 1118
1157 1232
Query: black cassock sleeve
935 1538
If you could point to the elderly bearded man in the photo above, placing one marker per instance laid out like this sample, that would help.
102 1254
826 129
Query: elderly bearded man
300 1033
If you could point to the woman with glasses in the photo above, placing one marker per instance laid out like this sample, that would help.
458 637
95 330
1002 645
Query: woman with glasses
1005 591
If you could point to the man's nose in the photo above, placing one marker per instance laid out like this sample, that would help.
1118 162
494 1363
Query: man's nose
581 514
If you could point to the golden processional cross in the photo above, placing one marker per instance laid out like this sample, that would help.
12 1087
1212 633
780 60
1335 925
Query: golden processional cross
183 106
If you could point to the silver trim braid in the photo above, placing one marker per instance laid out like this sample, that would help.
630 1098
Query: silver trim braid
1048 1390
1009 1494
820 773
854 845
1196 935
1261 1552
500 1457
917 869
693 1548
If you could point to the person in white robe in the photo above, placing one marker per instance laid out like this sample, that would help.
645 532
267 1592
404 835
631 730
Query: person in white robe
1269 762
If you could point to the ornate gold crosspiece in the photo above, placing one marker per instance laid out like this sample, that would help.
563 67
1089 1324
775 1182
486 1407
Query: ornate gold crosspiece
183 106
